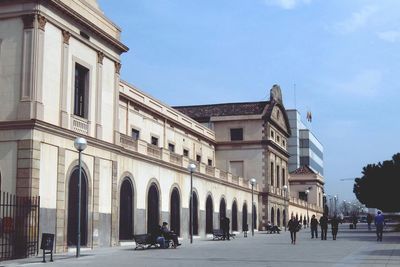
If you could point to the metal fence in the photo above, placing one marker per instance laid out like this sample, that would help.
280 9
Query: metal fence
19 226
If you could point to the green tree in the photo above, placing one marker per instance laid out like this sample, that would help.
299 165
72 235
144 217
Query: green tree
379 187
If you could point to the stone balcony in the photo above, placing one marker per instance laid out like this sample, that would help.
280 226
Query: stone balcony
144 148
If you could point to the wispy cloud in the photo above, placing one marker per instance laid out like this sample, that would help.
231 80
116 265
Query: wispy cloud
365 84
287 4
392 36
357 20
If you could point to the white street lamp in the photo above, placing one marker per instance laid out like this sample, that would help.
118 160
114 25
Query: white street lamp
285 189
191 168
252 182
80 145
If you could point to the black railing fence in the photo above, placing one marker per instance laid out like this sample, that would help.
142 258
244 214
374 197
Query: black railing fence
19 226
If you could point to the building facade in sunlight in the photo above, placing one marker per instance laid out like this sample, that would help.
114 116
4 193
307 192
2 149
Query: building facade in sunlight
60 79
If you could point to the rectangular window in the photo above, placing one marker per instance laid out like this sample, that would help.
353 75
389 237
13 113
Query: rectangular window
283 143
278 139
303 196
81 91
272 134
210 162
283 176
186 152
237 134
171 147
272 173
277 176
135 134
154 141
198 158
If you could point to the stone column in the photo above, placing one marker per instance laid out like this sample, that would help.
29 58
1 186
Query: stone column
99 92
114 205
64 119
61 224
28 167
116 102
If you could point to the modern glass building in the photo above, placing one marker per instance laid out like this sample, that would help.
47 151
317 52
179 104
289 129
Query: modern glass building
303 145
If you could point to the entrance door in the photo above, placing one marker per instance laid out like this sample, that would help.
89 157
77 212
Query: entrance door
153 210
244 218
72 228
126 211
175 212
209 215
234 217
222 210
195 214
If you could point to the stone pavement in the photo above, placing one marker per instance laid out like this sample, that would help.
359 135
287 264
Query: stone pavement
352 248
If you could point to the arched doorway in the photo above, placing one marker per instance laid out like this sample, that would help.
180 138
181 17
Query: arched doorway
278 217
254 217
234 217
244 217
209 215
175 212
72 228
153 209
222 210
284 217
126 210
195 214
272 216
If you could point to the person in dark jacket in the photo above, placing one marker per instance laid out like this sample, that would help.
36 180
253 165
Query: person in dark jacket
369 220
293 226
170 235
379 223
314 227
335 226
323 222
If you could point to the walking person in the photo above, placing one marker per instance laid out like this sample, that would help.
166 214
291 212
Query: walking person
335 226
369 221
293 226
379 223
323 222
314 227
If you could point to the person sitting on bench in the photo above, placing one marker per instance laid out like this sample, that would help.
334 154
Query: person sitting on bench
169 234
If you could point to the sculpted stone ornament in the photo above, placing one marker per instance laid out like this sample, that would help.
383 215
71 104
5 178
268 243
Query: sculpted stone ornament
117 67
276 94
42 22
100 57
66 36
28 21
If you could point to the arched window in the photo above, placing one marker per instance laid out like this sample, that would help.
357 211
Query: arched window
272 216
153 208
72 228
175 212
278 217
222 210
126 210
245 224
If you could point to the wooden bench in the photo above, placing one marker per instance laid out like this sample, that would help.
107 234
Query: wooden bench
145 241
273 229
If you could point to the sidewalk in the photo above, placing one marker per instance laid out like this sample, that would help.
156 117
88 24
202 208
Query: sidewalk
352 248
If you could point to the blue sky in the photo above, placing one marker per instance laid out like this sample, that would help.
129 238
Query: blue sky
342 55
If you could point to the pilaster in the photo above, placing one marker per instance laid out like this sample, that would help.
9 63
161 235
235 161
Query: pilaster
96 182
28 167
116 102
61 244
64 79
99 94
114 205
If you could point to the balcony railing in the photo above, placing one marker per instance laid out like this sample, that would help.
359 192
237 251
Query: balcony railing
153 151
210 170
235 179
80 125
223 175
175 158
128 142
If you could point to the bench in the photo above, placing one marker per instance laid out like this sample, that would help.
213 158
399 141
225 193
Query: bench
144 241
218 234
273 229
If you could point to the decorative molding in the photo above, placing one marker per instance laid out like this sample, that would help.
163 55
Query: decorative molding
100 57
117 67
29 21
66 36
41 22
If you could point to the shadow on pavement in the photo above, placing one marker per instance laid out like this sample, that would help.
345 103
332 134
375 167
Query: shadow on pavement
383 252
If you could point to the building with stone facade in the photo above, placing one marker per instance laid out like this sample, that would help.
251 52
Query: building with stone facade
60 79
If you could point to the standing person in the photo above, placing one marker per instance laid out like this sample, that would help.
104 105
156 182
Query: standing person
379 222
305 222
369 221
293 226
335 226
314 227
355 221
323 222
226 231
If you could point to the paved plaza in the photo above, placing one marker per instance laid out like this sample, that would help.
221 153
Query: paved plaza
352 248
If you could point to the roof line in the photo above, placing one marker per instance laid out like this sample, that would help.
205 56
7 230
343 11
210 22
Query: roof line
220 104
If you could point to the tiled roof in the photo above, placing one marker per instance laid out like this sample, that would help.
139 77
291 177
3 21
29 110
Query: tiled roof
303 170
203 113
